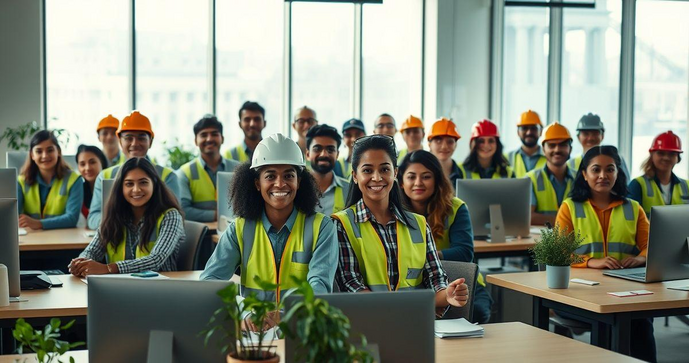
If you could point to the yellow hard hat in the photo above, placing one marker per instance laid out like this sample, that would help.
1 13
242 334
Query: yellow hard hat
530 118
555 131
108 121
411 122
136 122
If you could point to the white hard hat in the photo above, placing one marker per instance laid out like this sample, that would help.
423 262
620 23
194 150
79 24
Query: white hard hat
277 149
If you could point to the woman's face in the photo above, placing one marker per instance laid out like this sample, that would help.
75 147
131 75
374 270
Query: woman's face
664 161
375 175
278 185
443 147
486 146
89 166
418 183
137 188
45 155
601 174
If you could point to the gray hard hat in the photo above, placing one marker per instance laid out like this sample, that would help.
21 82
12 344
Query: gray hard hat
590 122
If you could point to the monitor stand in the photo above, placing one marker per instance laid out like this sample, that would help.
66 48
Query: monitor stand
497 227
160 346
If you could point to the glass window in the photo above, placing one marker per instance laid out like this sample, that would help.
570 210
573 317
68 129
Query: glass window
591 67
661 77
249 68
87 67
171 56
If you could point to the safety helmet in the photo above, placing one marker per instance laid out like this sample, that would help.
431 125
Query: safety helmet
411 122
530 118
590 122
136 122
555 131
444 127
108 121
667 141
277 149
484 128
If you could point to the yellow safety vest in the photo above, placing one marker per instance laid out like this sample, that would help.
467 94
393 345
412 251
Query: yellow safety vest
258 258
401 155
651 195
546 198
370 253
476 175
574 163
55 203
203 192
621 230
120 159
237 153
111 172
116 254
346 167
519 166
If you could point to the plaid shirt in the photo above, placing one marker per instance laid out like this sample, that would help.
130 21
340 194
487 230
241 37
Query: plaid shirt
349 277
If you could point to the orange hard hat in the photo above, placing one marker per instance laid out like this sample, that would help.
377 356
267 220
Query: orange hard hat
484 128
530 118
108 121
444 127
555 131
412 122
667 141
136 122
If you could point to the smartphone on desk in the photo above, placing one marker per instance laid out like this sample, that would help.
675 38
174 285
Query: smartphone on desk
145 274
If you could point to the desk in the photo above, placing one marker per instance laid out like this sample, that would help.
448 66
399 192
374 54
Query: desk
54 239
502 342
592 303
212 226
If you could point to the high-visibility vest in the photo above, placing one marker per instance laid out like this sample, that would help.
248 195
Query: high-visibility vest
237 153
652 196
346 167
55 203
546 198
519 166
111 172
258 258
119 160
476 175
339 200
116 254
401 155
373 261
203 192
621 230
574 163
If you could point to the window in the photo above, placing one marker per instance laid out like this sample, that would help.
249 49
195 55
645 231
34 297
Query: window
661 77
86 65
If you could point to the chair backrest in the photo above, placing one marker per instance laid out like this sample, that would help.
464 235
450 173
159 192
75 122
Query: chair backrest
187 259
469 271
16 159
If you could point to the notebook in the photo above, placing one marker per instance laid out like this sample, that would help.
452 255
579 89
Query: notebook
457 328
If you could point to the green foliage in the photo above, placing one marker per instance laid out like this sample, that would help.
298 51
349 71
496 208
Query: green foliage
321 330
44 342
177 155
556 247
18 138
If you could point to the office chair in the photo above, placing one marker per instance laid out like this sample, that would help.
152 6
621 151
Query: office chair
469 271
187 260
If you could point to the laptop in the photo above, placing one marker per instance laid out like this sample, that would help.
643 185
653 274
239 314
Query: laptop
668 247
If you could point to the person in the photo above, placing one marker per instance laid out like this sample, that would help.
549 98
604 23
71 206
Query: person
304 119
49 193
529 156
428 192
382 246
323 143
277 234
136 137
413 132
551 184
91 161
614 228
197 178
486 160
351 130
107 135
590 133
442 141
659 185
142 205
252 121
385 125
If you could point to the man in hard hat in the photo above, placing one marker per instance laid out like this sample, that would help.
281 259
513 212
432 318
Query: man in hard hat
277 234
136 137
413 132
197 178
442 142
323 143
552 183
529 156
107 129
252 122
590 132
304 119
351 130
385 125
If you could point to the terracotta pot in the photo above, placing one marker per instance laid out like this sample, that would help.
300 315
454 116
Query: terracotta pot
273 359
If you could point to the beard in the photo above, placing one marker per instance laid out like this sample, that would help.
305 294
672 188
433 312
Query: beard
530 142
320 168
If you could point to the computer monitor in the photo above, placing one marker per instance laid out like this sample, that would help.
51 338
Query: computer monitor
16 159
497 207
71 160
106 190
668 244
225 213
8 183
9 242
132 318
394 321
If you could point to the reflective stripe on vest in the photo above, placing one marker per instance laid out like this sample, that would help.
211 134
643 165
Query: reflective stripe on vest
203 193
621 230
339 203
574 164
237 153
496 173
373 261
346 168
258 258
119 254
111 172
546 198
652 196
55 202
519 166
401 155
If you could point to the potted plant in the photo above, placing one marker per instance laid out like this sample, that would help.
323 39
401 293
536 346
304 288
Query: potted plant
18 137
44 342
556 250
177 154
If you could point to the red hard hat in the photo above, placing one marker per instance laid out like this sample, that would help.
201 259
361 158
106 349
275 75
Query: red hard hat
484 128
667 141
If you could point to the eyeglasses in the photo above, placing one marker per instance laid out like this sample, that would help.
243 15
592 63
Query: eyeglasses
129 138
529 128
318 149
302 121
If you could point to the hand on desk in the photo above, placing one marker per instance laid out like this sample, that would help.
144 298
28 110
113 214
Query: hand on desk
634 261
28 222
457 293
271 320
614 264
82 267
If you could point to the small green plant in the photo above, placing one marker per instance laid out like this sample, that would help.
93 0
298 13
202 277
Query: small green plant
18 138
557 247
44 342
177 154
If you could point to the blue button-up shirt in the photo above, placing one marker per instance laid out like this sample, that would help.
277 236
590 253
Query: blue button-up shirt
530 160
327 201
71 216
